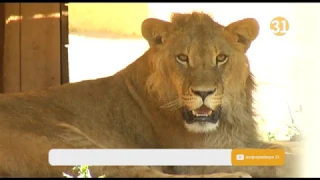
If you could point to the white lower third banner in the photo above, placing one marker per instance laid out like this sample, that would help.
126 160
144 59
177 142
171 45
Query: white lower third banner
140 157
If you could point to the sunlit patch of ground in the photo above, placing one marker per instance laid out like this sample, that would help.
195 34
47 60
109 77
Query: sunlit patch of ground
91 58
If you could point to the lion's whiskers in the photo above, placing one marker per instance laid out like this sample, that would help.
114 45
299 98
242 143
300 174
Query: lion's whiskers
191 101
175 108
173 105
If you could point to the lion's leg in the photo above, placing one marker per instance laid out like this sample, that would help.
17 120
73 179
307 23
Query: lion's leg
225 175
3 173
291 167
149 172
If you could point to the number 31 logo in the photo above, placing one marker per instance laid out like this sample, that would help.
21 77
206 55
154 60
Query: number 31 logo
279 26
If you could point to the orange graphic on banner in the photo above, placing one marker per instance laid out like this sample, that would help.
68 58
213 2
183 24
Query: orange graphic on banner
257 157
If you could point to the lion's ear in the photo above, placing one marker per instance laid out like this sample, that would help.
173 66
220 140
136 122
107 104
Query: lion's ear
155 30
246 30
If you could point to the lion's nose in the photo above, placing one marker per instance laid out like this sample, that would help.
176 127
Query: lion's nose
203 94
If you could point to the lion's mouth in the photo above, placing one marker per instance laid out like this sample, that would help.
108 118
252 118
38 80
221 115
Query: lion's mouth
202 114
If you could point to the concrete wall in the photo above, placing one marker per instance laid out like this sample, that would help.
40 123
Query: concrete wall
107 19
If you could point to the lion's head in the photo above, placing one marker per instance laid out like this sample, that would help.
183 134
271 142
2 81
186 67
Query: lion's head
200 68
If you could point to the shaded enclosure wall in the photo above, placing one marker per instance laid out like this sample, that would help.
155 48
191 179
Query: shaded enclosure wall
2 22
35 56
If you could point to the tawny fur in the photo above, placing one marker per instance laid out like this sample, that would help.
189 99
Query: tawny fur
139 107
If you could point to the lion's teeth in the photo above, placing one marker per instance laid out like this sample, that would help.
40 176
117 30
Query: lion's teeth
194 113
201 115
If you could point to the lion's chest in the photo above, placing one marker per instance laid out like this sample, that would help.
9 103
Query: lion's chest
180 140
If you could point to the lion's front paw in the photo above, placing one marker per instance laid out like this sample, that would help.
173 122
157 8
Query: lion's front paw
286 148
229 175
241 175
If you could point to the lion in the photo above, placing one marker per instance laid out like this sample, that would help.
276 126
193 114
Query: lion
192 88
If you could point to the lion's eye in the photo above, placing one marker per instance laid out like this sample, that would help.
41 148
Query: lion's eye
183 59
221 58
